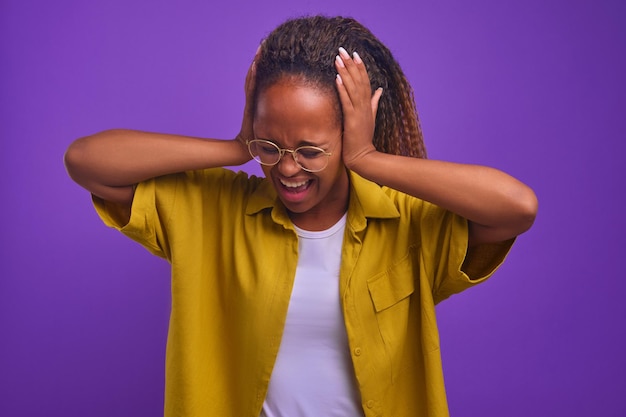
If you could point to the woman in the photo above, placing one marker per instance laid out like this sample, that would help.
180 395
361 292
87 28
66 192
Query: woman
311 291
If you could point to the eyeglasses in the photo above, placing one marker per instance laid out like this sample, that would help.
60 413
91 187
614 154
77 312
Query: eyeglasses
309 158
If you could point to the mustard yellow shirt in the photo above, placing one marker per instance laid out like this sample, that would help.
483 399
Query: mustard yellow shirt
233 252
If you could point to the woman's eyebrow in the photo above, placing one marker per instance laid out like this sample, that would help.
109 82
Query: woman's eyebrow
303 142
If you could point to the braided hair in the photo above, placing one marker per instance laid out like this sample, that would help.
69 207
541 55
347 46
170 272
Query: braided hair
305 48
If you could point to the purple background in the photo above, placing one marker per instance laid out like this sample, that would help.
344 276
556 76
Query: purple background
536 88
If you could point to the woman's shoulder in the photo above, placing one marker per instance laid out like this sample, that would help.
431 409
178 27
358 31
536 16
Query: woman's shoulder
216 179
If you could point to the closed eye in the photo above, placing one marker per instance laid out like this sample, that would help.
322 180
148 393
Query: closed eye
310 152
268 149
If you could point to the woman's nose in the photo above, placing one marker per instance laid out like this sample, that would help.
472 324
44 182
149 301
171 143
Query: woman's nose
287 164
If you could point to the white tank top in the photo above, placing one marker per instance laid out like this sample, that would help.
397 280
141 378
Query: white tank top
313 375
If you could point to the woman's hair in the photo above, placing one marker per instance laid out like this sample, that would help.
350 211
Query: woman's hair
305 48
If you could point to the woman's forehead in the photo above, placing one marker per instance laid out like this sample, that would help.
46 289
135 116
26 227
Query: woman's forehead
292 93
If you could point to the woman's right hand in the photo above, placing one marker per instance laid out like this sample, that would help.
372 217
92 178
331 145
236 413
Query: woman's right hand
247 133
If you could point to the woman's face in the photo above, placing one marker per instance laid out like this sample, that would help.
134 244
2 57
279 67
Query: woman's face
290 114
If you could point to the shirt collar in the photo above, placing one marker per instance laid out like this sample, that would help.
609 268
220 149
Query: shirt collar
367 200
264 196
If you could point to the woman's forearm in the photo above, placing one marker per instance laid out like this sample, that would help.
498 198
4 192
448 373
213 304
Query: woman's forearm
110 163
498 206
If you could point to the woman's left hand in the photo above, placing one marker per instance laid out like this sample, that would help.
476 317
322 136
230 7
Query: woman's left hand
359 107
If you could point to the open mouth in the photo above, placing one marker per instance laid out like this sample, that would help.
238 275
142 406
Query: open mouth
295 186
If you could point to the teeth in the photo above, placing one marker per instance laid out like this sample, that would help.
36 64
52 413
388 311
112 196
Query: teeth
293 184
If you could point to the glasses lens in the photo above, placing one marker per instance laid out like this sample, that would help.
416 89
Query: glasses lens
264 152
311 158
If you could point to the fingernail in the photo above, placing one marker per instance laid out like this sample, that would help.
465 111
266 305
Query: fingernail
339 61
357 58
343 52
339 80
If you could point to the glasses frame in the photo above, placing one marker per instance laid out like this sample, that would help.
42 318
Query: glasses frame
293 153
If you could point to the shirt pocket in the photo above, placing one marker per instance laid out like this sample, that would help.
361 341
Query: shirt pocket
392 285
391 292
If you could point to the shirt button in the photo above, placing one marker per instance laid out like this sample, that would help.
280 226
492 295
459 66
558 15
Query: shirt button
357 351
370 404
